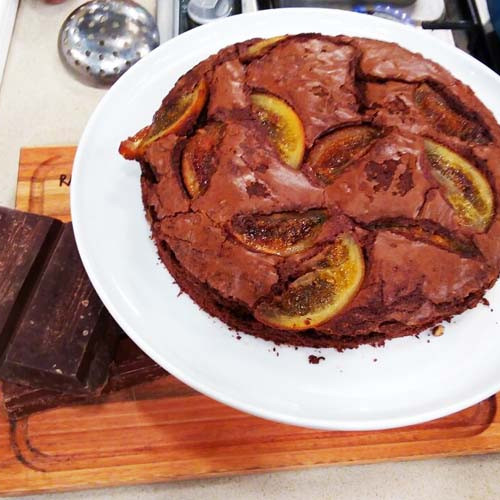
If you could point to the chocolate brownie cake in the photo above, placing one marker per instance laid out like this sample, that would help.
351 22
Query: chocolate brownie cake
323 191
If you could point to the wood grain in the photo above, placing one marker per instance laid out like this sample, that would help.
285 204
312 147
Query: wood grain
164 430
43 181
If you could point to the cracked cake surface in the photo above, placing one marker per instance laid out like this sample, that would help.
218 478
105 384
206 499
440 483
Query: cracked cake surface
323 191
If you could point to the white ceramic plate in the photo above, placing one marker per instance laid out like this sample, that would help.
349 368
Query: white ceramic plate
413 380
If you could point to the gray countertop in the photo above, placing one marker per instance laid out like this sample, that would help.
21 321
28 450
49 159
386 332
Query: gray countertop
40 104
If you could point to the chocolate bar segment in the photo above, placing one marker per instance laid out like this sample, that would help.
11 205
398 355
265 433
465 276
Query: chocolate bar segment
59 335
21 400
25 241
131 367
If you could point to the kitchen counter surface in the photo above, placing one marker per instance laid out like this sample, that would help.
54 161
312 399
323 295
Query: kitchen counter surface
41 104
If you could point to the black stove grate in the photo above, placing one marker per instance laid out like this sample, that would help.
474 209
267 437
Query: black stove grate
462 16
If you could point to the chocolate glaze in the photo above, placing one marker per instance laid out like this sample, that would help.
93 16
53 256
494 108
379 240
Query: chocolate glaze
330 82
168 197
245 157
315 76
387 182
389 61
442 276
229 91
410 283
225 265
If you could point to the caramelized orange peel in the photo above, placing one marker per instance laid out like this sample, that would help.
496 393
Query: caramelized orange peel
198 160
284 127
464 186
169 119
444 118
283 234
317 296
261 47
431 235
333 153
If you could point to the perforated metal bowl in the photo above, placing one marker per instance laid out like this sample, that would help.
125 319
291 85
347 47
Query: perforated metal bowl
101 39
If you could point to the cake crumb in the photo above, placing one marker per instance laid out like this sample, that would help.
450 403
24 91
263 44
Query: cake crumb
375 360
257 189
238 337
485 301
314 360
437 331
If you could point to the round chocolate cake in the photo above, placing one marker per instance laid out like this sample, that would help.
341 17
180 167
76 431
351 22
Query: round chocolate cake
323 191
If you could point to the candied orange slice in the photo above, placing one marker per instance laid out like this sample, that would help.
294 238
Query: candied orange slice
261 47
333 153
169 119
282 234
465 188
446 119
433 236
317 296
129 148
283 125
198 159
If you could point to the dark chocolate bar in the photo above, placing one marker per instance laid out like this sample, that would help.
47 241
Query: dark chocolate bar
22 400
25 241
56 333
131 367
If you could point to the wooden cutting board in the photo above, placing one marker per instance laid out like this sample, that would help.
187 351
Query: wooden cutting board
164 430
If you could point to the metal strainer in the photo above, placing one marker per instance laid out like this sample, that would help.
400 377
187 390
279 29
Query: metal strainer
101 39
